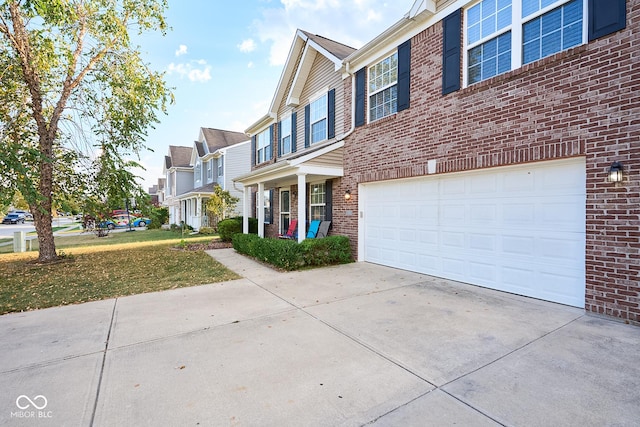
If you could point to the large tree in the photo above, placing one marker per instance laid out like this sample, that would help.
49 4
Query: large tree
76 100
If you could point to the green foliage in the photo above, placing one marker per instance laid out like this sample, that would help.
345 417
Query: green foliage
221 204
181 228
76 101
228 227
158 217
291 255
207 230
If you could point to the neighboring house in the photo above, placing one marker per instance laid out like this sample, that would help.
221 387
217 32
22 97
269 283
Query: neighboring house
297 147
179 179
216 157
474 140
161 190
491 166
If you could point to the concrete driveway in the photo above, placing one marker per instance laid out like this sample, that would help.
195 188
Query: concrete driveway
354 345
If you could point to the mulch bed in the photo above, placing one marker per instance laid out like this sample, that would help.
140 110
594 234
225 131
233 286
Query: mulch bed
205 246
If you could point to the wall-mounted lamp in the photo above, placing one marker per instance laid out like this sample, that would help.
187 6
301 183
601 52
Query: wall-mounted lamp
615 172
347 195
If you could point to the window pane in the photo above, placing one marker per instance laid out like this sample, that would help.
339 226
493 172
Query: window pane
473 15
319 131
473 33
552 32
529 7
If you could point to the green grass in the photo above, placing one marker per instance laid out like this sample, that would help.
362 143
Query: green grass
116 266
90 239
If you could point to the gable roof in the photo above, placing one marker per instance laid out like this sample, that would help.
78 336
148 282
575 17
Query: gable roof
333 47
217 138
302 53
179 157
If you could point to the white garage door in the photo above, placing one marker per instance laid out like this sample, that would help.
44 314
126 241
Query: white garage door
519 229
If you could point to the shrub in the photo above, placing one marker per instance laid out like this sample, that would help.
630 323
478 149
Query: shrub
182 227
227 228
207 230
158 217
291 255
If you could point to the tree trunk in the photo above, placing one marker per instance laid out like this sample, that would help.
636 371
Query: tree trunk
42 213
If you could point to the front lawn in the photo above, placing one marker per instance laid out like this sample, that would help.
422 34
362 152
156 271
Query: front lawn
106 270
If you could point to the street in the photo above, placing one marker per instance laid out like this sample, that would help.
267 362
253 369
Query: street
7 230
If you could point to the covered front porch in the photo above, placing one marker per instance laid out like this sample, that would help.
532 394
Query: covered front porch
291 178
193 207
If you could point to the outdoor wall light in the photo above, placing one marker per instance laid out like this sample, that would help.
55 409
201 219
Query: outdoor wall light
347 195
615 172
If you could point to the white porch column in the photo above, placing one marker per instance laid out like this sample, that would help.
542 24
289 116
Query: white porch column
302 202
260 209
199 211
246 207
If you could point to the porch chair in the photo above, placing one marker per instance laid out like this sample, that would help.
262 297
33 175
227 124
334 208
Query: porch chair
291 231
313 229
324 229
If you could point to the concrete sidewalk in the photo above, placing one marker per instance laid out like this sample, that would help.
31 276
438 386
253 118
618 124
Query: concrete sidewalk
356 344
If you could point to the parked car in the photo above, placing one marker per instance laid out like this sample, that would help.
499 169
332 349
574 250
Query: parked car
107 224
141 222
13 218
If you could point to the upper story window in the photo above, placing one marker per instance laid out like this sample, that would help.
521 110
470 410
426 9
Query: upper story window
210 170
285 136
198 171
263 146
502 35
318 116
383 88
221 166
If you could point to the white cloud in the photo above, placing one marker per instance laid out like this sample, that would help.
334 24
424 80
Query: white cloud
195 74
182 50
251 65
247 46
352 22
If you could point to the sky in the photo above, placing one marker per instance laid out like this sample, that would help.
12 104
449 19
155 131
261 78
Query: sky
224 58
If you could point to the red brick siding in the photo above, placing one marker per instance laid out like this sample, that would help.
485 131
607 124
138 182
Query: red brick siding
581 102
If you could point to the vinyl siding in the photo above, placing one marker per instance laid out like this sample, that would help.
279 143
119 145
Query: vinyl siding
238 163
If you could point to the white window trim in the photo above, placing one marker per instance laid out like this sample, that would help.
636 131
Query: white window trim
198 171
281 212
288 116
370 94
315 98
516 33
210 170
220 167
311 184
258 147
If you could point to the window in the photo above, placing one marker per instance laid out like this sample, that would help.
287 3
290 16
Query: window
268 214
383 88
318 116
554 31
285 136
198 171
210 170
263 146
318 201
502 35
221 166
285 210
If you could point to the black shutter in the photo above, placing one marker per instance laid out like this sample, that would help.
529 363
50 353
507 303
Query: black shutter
451 46
253 150
307 126
360 93
270 206
270 144
328 203
606 17
294 131
279 142
331 114
404 75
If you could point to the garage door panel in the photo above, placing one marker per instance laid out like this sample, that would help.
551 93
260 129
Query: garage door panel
513 229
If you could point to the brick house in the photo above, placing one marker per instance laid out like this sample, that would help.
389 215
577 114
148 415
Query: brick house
477 143
297 147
